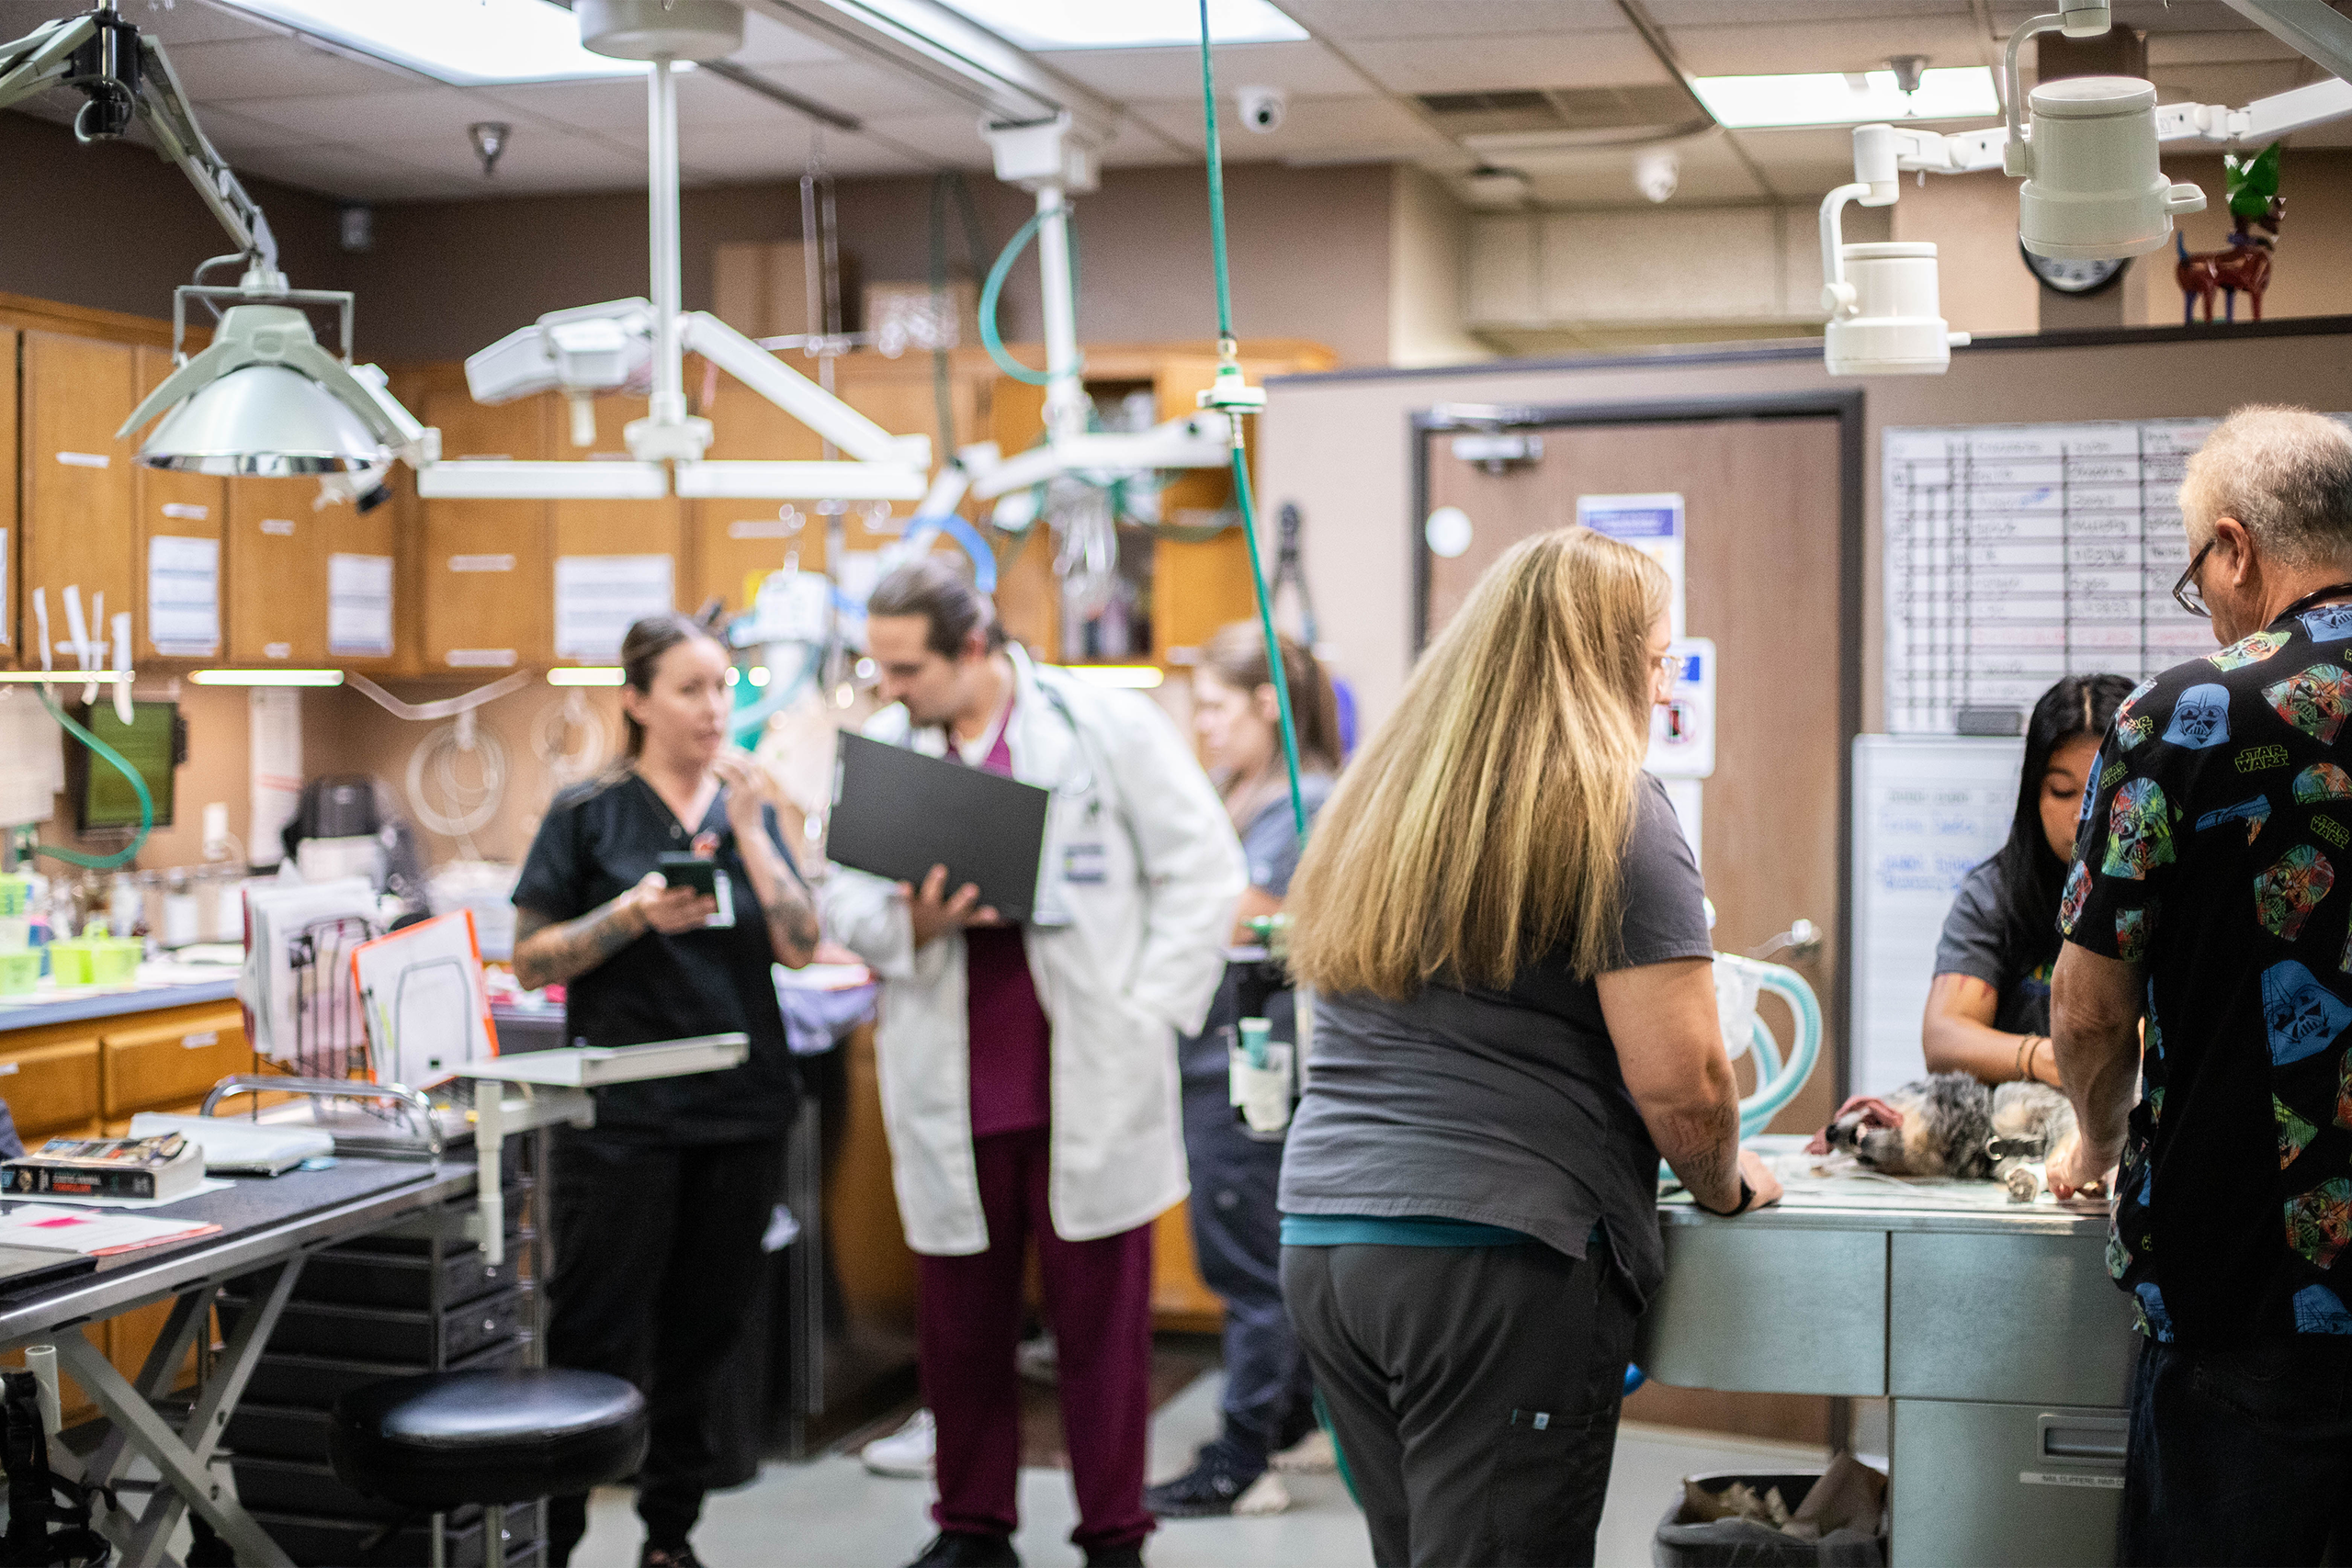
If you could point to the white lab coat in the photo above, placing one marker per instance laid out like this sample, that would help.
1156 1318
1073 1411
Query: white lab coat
1135 898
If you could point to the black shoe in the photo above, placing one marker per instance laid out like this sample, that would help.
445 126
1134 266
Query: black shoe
1129 1555
668 1557
962 1548
1219 1477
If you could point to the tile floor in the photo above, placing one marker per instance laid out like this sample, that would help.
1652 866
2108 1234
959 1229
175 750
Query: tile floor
832 1512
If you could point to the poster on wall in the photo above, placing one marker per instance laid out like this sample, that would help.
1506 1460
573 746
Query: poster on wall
275 718
1651 523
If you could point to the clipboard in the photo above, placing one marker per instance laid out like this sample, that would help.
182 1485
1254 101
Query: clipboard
421 994
897 813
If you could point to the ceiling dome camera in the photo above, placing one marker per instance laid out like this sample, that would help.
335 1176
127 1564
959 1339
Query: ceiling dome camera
1262 108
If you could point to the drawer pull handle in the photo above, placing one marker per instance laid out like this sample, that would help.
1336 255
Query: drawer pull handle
198 1041
9 1068
2100 1442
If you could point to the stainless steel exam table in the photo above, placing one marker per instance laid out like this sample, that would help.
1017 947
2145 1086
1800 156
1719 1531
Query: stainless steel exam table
1990 1327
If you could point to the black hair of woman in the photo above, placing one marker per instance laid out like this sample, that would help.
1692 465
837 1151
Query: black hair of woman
2077 705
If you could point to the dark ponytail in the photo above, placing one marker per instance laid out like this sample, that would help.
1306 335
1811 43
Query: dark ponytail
641 652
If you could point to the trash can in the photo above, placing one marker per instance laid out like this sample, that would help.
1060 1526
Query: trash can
1683 1541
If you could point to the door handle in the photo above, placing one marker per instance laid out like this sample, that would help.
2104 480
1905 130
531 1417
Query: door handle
2084 1440
1800 942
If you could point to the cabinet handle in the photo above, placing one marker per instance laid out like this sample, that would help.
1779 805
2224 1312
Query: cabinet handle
85 459
198 1041
9 1068
2084 1439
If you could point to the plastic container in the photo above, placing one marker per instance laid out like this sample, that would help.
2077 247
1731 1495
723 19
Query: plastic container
1745 1543
19 969
16 892
70 960
114 960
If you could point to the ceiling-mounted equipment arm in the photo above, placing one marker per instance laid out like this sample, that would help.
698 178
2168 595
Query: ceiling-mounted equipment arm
125 74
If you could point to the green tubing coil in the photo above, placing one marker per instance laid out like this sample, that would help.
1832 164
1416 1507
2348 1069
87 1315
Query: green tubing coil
139 788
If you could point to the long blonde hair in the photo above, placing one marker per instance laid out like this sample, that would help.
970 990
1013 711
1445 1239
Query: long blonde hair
1485 823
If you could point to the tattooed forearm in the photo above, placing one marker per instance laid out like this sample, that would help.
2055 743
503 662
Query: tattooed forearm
792 923
548 954
1702 1146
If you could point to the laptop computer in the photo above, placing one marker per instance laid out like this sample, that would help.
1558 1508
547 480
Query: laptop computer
897 813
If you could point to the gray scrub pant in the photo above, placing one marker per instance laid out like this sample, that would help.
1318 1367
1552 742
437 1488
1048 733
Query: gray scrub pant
1473 1392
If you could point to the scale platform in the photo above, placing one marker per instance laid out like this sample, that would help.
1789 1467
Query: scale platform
592 1066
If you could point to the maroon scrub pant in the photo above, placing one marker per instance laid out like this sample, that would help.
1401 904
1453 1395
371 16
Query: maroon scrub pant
1098 1301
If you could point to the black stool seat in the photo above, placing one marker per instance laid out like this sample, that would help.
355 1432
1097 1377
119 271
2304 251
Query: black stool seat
444 1439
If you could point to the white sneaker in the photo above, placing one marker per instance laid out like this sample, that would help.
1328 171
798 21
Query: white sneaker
1311 1455
1040 1359
907 1453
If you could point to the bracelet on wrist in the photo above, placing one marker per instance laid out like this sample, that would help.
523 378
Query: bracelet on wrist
1746 1197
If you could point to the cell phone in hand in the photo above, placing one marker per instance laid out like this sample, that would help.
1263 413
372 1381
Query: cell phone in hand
681 869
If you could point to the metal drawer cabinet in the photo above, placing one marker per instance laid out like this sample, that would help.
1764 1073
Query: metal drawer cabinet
1981 1485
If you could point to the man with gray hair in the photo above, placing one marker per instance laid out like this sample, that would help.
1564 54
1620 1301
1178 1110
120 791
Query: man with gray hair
2208 957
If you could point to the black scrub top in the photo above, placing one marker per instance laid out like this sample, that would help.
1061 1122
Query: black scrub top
598 841
1982 939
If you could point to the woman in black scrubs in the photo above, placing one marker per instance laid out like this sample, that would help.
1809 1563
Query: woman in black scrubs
658 1209
1988 1009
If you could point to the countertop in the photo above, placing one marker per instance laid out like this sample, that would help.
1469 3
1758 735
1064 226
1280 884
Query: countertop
159 985
1843 1197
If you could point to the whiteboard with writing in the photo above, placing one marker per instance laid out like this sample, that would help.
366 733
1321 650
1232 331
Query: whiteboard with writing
1927 811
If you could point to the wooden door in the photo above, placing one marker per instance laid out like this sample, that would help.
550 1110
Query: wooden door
1764 531
484 578
177 559
278 570
78 518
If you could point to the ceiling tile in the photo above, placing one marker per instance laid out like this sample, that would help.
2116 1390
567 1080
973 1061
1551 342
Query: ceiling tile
347 173
279 68
1776 13
768 41
233 131
582 106
1355 128
1168 73
2149 16
1348 22
366 117
1475 64
855 87
541 162
2211 47
1860 45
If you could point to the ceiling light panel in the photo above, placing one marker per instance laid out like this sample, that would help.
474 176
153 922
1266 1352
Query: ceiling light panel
1128 24
1745 103
470 43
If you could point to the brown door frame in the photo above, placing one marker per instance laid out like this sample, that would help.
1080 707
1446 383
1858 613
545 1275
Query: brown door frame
1844 405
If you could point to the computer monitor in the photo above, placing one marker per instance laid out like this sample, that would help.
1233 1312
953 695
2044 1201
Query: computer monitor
154 742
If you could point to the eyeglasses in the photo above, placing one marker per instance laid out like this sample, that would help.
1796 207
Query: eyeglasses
1669 666
2187 593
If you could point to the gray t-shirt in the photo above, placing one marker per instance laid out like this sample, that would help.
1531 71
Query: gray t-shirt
1981 939
1502 1108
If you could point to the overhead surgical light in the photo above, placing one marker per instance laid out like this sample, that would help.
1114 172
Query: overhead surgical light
263 399
2094 186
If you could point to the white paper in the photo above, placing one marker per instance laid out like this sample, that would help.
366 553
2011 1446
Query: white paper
275 721
359 605
598 598
1927 811
1652 524
1682 732
275 992
184 596
2017 554
420 991
32 760
52 1227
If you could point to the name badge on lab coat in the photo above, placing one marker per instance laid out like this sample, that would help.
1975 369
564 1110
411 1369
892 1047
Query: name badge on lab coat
1085 864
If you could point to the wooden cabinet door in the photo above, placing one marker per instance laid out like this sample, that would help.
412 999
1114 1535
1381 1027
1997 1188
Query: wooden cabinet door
50 1088
484 580
11 536
613 560
78 518
177 557
164 1063
277 571
734 544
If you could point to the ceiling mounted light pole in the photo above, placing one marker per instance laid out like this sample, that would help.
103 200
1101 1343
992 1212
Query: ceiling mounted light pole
264 398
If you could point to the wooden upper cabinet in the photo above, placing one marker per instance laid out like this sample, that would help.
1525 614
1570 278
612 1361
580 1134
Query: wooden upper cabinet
736 543
177 557
1197 586
9 532
80 530
614 560
484 583
278 570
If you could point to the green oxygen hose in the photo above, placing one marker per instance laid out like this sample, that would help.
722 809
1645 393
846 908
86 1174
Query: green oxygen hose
138 785
990 338
1226 351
